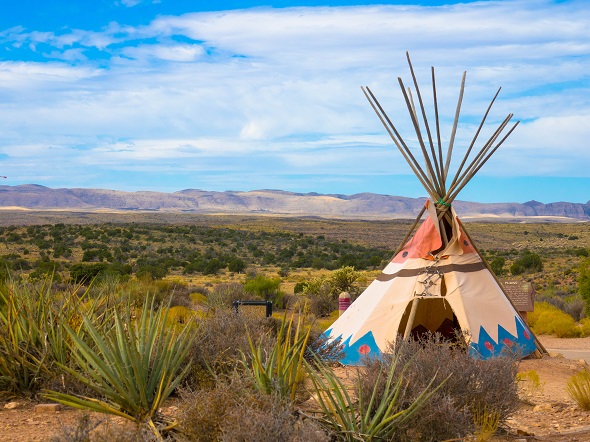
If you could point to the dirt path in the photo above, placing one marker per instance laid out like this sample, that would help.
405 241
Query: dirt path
547 412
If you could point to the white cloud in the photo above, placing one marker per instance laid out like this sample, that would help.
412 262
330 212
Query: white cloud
179 52
281 86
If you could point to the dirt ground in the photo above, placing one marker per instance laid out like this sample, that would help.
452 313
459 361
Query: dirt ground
546 412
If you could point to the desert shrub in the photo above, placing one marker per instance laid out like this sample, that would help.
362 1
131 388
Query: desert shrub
578 388
585 326
373 411
575 308
87 429
473 386
528 262
486 423
299 287
554 301
263 287
151 271
321 304
163 292
548 319
234 410
221 340
224 295
497 265
322 292
328 351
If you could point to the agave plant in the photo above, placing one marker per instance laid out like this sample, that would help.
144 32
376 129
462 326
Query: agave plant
356 420
281 371
132 368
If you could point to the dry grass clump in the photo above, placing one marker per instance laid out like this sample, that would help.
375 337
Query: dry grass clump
234 410
472 385
486 422
223 295
578 388
530 383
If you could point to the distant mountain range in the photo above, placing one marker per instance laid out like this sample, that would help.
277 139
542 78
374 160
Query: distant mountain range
271 202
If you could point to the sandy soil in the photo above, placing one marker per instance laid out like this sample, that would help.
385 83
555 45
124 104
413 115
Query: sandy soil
546 412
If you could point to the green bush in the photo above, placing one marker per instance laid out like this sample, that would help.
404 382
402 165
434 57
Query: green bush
497 265
528 262
263 287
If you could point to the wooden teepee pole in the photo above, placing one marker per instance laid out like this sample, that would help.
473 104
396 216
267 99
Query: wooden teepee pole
453 195
468 173
397 139
440 153
454 131
419 135
482 162
427 127
474 138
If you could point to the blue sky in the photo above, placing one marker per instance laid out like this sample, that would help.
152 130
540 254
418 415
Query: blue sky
242 95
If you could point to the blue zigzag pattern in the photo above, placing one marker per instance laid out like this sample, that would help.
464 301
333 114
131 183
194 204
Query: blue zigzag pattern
522 344
355 354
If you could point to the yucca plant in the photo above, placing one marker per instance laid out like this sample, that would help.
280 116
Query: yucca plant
132 368
24 348
32 333
281 371
578 388
353 419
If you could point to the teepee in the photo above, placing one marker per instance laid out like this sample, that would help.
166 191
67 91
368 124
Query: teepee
437 281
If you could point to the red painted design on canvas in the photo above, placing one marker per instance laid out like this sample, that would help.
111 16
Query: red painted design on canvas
364 349
527 335
508 342
489 345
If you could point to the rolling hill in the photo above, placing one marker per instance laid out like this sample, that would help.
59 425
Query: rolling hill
271 202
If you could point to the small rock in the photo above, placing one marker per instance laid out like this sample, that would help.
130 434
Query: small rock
520 440
524 431
542 407
582 362
11 405
47 408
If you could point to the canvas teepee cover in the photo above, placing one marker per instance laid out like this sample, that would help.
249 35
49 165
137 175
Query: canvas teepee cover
438 281
456 292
